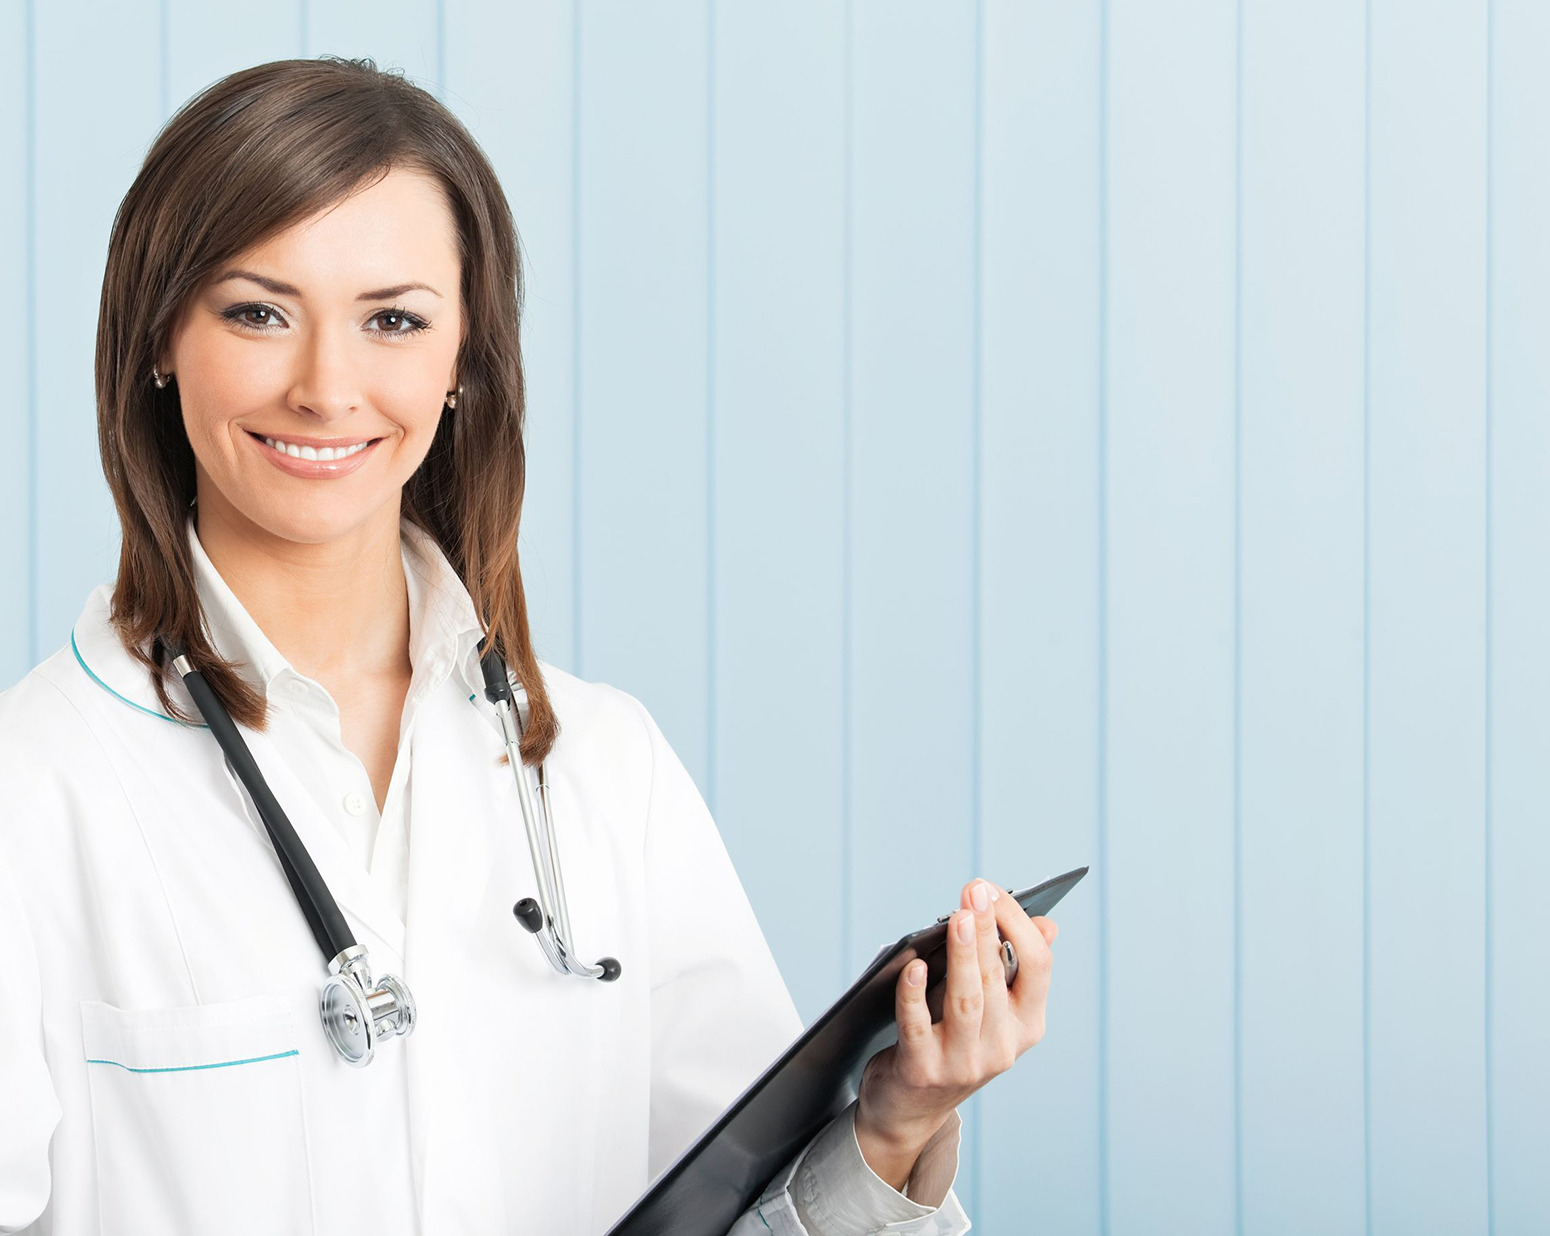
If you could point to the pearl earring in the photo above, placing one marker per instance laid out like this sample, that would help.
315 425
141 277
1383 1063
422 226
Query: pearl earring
161 379
452 396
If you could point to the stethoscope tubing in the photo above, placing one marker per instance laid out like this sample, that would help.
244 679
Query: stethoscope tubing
327 921
551 923
356 1009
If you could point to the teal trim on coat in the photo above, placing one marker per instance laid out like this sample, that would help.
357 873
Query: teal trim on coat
185 1068
149 711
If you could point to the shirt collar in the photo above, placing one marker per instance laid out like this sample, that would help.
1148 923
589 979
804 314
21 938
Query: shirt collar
444 628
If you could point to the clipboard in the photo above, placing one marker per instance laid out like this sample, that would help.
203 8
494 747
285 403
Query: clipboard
704 1190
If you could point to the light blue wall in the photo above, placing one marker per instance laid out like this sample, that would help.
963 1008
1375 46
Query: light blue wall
997 438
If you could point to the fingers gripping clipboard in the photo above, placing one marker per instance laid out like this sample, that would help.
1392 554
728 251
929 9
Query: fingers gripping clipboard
715 1180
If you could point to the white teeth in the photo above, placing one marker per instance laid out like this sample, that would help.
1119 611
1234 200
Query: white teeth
319 452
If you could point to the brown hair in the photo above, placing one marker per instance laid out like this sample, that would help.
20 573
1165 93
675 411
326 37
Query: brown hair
246 158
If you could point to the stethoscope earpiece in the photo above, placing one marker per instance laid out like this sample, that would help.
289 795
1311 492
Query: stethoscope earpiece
530 914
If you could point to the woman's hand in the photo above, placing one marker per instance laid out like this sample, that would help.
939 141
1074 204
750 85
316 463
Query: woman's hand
909 1090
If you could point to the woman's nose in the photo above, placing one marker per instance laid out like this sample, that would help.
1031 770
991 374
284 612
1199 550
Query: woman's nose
327 380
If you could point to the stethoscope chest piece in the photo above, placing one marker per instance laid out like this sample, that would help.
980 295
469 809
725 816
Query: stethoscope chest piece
356 1012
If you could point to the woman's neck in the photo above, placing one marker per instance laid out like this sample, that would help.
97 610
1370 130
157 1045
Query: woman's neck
338 610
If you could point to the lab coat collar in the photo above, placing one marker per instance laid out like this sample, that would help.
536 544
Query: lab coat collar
108 664
443 624
444 635
102 656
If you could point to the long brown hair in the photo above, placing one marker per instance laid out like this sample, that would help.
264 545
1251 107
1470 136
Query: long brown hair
249 156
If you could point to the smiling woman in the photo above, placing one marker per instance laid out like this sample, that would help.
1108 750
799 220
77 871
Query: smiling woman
310 413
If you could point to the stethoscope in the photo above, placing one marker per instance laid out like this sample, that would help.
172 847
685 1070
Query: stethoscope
356 1011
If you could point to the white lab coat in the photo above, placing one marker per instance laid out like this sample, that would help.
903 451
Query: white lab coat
162 1065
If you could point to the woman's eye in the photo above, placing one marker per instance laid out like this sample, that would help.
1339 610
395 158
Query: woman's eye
239 315
400 322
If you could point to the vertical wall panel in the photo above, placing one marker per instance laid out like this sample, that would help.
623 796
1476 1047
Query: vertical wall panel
1518 1006
1427 618
911 229
511 80
74 199
778 382
1170 594
1301 594
911 468
1040 266
642 350
17 353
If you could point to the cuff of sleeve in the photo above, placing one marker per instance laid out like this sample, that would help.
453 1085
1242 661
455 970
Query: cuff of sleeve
836 1193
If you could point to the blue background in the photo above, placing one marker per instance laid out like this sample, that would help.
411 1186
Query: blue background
995 438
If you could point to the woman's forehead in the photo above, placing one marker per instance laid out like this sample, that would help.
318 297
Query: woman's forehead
398 235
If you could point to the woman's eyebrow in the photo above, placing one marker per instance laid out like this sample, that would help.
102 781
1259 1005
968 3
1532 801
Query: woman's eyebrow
279 288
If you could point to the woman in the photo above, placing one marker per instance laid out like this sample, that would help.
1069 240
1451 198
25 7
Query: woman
311 403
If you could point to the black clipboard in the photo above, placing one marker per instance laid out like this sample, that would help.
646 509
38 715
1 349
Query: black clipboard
715 1180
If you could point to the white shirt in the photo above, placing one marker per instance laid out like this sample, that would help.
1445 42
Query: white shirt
304 719
827 1190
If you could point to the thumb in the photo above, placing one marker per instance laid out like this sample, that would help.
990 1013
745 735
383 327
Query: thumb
910 1009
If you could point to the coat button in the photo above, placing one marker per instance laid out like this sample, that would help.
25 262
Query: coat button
355 803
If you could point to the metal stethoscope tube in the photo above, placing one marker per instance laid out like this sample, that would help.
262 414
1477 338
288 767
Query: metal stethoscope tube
548 918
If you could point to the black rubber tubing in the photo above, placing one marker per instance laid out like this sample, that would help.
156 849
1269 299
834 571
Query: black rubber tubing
328 924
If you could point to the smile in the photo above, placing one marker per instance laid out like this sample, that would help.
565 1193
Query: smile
314 452
307 460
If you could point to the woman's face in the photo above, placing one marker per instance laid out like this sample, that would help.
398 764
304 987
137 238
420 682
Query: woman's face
341 331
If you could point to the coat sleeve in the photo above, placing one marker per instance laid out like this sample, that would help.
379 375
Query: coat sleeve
27 1100
721 1013
829 1190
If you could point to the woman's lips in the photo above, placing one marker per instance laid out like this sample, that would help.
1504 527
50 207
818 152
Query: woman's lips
314 469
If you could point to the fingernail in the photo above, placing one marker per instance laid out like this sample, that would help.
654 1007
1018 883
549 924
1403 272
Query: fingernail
966 928
915 973
979 896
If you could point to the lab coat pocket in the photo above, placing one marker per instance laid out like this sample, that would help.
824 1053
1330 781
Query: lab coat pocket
198 1119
